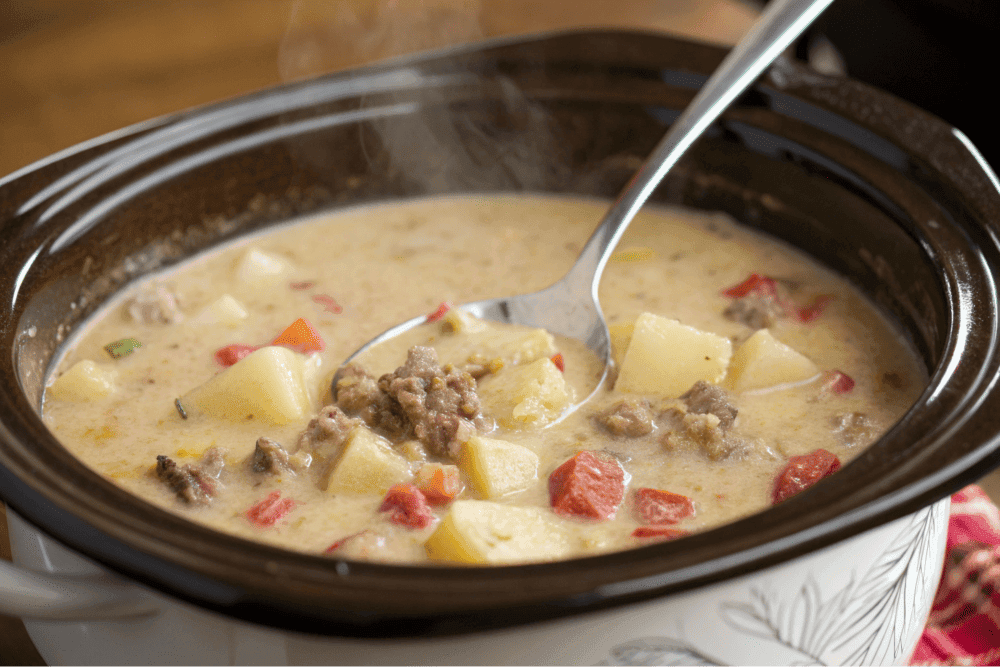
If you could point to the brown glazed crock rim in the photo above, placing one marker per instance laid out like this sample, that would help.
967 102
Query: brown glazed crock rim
307 593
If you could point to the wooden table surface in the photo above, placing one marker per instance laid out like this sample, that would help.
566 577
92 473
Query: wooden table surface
71 70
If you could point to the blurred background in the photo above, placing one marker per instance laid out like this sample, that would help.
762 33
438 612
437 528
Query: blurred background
71 70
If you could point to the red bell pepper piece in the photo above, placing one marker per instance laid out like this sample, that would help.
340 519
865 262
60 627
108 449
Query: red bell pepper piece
656 507
558 360
342 541
801 472
329 304
268 511
587 486
230 354
812 311
441 311
754 284
838 382
407 506
659 531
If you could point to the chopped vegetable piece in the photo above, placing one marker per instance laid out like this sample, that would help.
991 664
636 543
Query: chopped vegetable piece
804 471
439 483
304 285
754 284
558 360
268 511
659 531
230 354
329 304
814 310
658 508
180 408
587 485
84 381
342 541
301 337
407 507
122 348
441 311
838 382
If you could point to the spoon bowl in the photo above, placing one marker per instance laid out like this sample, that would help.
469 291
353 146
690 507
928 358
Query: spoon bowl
571 306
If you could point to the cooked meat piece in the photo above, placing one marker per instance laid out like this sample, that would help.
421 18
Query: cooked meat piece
358 394
757 312
325 434
704 398
631 417
269 456
154 305
193 484
441 404
684 430
479 366
854 428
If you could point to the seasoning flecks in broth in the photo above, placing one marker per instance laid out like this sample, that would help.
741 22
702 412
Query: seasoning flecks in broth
744 374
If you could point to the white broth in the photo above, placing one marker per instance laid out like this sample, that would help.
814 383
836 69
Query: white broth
823 371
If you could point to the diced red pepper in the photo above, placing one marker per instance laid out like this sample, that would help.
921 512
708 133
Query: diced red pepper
838 382
587 486
439 483
659 532
268 511
812 311
441 311
801 472
329 304
308 284
407 506
230 354
558 360
656 507
342 541
754 284
301 337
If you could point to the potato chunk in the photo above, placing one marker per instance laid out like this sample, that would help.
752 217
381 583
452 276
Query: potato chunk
225 310
258 268
367 464
269 384
484 532
666 357
496 468
526 396
84 381
763 361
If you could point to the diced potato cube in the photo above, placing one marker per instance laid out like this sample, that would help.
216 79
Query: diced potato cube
225 310
484 532
666 357
525 396
269 384
84 381
260 268
367 464
763 361
496 468
621 336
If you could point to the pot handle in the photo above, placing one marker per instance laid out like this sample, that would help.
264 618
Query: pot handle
70 597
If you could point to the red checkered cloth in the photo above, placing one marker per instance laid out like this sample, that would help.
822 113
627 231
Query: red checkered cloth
964 623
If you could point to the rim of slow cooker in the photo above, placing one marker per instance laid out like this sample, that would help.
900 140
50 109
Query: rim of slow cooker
271 580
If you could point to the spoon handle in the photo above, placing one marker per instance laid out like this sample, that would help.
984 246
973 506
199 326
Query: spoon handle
781 22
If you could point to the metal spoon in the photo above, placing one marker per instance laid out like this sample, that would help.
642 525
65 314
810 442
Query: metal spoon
570 307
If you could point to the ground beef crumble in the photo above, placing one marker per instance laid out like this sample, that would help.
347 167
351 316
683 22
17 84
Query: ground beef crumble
325 434
156 305
195 484
756 312
436 405
704 398
631 418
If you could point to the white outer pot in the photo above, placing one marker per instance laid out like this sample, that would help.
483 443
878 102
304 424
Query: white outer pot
862 601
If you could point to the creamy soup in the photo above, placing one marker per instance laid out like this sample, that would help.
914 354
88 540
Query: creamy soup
744 373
